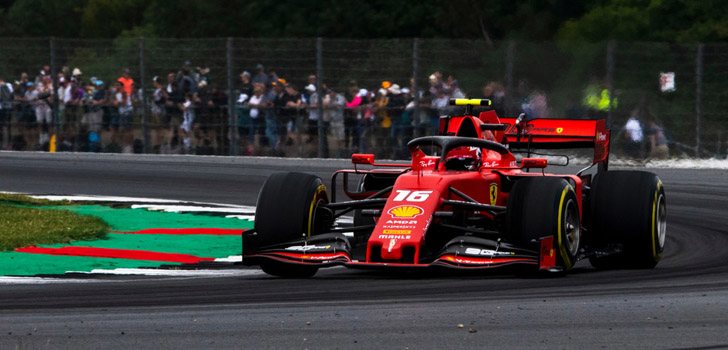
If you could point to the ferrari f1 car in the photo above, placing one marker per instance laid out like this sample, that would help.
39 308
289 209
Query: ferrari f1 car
472 197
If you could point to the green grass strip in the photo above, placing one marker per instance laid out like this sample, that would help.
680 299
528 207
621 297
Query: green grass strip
20 199
23 226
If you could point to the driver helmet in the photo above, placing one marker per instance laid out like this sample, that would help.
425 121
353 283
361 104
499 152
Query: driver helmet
463 158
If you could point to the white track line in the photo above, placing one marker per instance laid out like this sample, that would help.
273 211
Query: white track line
173 273
241 217
88 198
231 258
41 280
194 208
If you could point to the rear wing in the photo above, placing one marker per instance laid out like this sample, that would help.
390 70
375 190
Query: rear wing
558 133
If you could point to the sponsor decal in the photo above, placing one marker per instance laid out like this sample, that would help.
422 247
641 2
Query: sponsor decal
492 164
559 130
493 193
399 227
426 164
486 252
394 237
401 222
601 136
405 211
305 248
544 130
317 257
397 232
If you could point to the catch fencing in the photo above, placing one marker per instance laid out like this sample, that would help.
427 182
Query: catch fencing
682 87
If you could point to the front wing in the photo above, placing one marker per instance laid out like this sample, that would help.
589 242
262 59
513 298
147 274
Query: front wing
465 253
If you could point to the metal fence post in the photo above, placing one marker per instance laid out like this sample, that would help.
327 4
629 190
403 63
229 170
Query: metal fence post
415 74
698 96
322 146
232 117
510 56
54 109
143 97
611 47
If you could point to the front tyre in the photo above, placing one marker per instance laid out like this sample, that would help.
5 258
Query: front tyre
629 208
289 208
543 206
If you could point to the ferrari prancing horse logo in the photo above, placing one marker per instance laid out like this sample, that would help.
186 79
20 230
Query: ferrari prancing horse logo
493 193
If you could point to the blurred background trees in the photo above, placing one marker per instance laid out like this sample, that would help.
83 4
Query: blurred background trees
493 20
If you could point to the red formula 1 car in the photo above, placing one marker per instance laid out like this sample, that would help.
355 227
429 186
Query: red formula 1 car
469 199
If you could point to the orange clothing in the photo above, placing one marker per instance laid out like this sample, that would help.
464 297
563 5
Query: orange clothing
127 83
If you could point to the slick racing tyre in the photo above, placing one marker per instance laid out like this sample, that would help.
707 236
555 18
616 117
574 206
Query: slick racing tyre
289 209
628 209
542 206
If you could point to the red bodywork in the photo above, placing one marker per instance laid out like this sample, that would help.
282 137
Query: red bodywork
425 185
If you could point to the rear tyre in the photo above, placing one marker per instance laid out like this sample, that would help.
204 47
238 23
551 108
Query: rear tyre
288 209
542 206
628 208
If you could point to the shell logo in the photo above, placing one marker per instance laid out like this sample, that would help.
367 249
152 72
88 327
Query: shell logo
405 211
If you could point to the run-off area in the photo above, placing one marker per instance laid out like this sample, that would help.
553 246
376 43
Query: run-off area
147 237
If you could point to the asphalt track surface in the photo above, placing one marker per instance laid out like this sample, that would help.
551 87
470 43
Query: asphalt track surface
683 303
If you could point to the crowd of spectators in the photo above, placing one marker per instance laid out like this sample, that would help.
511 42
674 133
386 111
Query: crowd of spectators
187 113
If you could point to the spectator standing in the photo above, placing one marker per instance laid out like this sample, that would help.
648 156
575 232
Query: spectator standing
260 76
334 105
496 93
311 101
173 108
242 110
125 109
656 139
41 98
275 121
95 121
160 118
633 135
44 72
24 111
382 121
216 131
6 105
292 116
74 107
400 128
205 121
252 118
127 82
185 81
537 106
64 93
367 124
188 119
351 115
